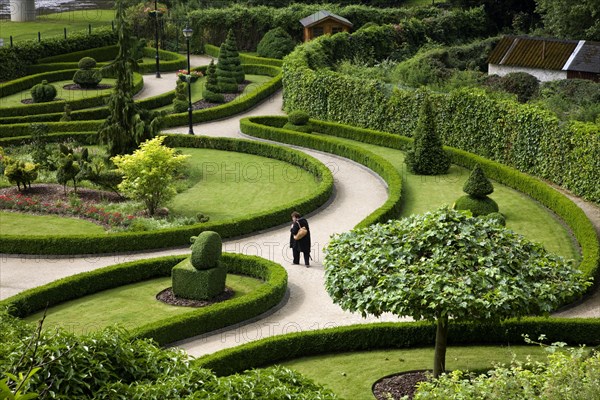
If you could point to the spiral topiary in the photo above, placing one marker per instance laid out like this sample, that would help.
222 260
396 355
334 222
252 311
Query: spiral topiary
206 250
43 92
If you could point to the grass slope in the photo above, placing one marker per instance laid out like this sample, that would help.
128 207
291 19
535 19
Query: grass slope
24 224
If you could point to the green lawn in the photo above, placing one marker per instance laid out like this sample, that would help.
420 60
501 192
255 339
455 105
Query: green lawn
230 185
351 375
53 24
198 87
25 224
130 306
523 214
14 100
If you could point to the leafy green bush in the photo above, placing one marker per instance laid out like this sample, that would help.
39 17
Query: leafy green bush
206 250
87 78
190 282
298 117
43 92
276 43
478 206
497 217
87 63
524 85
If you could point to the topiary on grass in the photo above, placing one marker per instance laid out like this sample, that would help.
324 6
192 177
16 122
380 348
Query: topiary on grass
477 206
43 92
86 77
206 250
298 117
477 187
276 43
229 68
427 157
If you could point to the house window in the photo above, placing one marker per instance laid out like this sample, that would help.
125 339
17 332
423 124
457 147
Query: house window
336 29
317 31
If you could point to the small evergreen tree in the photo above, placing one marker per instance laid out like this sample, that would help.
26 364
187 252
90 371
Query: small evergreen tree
180 102
212 81
229 67
276 43
477 187
128 125
427 157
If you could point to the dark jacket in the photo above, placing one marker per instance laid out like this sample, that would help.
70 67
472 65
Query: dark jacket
303 244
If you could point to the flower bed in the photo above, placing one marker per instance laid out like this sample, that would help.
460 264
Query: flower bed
183 75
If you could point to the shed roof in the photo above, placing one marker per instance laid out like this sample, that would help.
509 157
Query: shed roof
586 58
322 15
531 52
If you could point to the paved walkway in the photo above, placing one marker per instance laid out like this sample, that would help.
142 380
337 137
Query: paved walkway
357 193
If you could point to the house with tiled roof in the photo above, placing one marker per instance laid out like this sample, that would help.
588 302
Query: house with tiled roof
545 58
323 23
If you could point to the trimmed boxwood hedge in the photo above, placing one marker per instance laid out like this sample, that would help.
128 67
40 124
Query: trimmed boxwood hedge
130 241
268 128
172 329
213 51
364 337
56 137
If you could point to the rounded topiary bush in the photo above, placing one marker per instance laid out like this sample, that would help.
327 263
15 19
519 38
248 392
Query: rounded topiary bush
43 92
213 97
276 43
206 250
298 117
477 206
86 63
524 85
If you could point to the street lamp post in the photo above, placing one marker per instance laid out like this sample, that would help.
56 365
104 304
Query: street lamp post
156 38
187 32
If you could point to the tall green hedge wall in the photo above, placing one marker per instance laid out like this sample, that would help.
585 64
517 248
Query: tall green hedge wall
15 60
519 135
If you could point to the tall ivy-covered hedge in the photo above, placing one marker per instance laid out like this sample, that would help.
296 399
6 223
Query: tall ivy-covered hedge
523 136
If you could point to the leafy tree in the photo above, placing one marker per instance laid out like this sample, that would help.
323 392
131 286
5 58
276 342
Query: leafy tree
445 265
571 20
229 67
427 157
20 172
276 43
128 125
149 173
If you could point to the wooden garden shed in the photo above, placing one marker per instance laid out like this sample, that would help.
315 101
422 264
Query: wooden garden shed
323 23
546 58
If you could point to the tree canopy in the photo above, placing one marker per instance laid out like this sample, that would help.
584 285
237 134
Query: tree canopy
571 19
446 265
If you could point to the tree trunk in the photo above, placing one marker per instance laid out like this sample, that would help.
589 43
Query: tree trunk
441 338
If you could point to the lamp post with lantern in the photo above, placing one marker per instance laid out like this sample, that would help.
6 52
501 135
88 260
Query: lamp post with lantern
187 32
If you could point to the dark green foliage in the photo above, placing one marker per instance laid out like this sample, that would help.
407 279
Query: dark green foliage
298 128
524 85
43 92
212 81
87 63
478 185
276 43
496 216
198 284
563 19
427 157
40 151
572 98
213 97
477 206
128 125
298 117
229 69
181 102
87 78
206 250
66 116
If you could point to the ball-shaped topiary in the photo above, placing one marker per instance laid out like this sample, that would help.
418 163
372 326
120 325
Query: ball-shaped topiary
478 185
86 63
477 206
43 92
206 250
298 117
276 43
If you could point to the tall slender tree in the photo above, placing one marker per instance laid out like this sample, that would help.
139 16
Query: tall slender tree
128 125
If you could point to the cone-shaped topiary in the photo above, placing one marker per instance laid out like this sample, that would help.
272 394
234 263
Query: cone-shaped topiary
212 81
276 43
427 157
206 250
478 185
43 92
229 68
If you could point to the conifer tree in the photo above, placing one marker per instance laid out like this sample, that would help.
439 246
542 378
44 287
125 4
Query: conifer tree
128 125
229 68
427 157
212 82
477 187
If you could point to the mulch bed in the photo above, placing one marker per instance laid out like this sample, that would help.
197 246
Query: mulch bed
403 384
167 296
53 192
74 86
202 104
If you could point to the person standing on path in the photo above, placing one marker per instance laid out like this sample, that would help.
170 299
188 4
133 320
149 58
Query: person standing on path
297 243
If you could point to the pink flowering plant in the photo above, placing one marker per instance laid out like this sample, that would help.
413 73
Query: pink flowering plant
182 74
33 204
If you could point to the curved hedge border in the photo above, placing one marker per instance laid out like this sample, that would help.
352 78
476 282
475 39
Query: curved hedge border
214 51
584 231
363 337
167 330
27 82
169 61
116 242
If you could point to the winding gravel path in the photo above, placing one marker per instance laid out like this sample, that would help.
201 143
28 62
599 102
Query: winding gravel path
358 192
